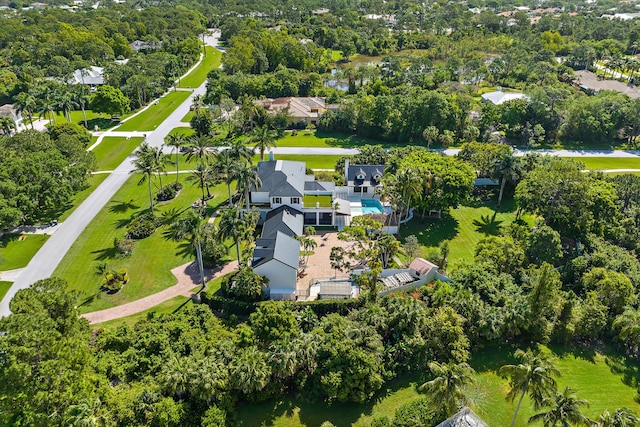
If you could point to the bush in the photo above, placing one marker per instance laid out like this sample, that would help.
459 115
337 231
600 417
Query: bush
169 191
114 280
141 227
414 414
381 421
228 306
324 307
124 247
244 285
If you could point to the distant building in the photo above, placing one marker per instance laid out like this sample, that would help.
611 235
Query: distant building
499 97
139 45
363 179
8 110
302 110
589 83
92 76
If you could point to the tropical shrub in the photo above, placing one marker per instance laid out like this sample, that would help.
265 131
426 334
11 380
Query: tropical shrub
141 227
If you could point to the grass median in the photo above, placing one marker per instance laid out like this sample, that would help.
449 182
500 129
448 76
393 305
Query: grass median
16 250
150 118
113 150
198 76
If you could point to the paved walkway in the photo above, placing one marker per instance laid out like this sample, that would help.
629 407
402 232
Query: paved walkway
10 275
188 278
44 263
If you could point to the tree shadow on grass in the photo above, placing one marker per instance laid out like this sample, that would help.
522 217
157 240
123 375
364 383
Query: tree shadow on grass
8 238
101 122
578 351
315 413
628 369
118 207
105 254
89 299
488 224
433 230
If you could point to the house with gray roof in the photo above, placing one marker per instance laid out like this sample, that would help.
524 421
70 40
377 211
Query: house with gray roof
277 259
465 417
284 219
362 180
9 110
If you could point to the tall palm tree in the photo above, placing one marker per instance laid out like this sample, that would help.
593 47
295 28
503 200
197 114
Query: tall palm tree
176 141
199 146
564 411
533 375
232 225
238 150
447 388
247 177
146 165
226 169
160 162
87 413
621 417
264 139
66 103
197 103
26 103
507 168
202 176
408 183
46 108
192 228
82 99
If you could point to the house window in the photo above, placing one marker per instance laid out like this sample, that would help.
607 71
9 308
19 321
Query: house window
295 200
360 176
377 177
357 189
325 218
364 189
277 200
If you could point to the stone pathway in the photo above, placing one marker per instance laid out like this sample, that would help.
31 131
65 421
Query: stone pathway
188 278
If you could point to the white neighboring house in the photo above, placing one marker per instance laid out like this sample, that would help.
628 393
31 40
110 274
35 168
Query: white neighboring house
499 97
8 110
362 180
92 76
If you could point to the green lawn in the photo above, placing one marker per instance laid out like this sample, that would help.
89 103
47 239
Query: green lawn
196 77
607 381
186 131
173 305
113 150
16 250
336 55
463 226
314 161
149 119
152 259
94 181
321 139
600 163
311 201
187 117
103 121
4 288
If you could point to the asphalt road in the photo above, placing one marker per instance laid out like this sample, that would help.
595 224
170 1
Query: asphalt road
44 263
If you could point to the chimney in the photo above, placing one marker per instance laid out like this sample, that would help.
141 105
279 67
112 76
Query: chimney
271 156
346 171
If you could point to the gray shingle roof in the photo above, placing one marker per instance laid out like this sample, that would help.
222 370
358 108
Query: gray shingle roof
282 248
368 171
284 219
319 186
282 178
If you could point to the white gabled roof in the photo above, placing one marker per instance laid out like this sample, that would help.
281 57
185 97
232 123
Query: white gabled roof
499 97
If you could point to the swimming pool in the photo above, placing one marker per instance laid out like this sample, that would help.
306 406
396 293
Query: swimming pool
371 206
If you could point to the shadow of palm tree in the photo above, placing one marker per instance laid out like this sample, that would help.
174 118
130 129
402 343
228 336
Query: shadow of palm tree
170 215
89 299
122 207
106 253
488 225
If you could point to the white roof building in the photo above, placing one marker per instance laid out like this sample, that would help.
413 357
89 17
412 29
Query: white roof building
91 76
499 97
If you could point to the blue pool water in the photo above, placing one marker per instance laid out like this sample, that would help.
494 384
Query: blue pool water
371 206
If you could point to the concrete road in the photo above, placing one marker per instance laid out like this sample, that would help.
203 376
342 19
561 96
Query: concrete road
44 263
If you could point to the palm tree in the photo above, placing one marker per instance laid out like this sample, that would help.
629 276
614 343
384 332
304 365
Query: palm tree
87 413
248 178
564 411
232 225
46 108
507 168
146 165
192 228
629 325
407 182
202 175
160 162
7 125
177 141
199 146
430 134
264 139
621 417
197 103
226 169
66 103
26 103
533 375
447 388
82 99
239 151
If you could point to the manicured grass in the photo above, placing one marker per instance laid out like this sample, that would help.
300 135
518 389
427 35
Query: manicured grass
196 77
314 161
186 131
113 150
16 253
4 288
606 380
149 119
103 121
94 181
463 226
152 259
600 163
321 139
187 117
311 201
173 305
